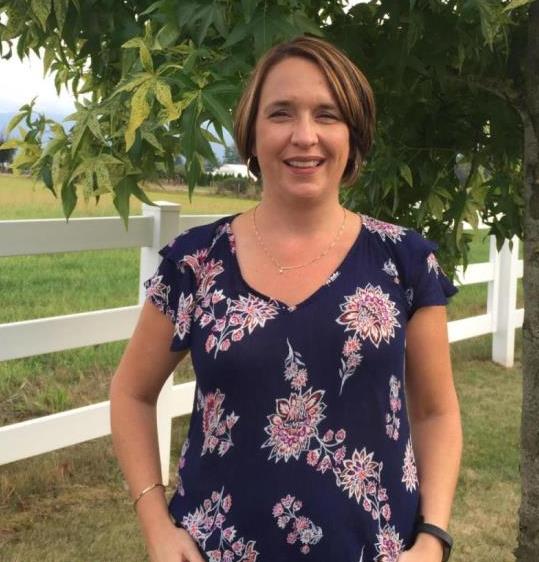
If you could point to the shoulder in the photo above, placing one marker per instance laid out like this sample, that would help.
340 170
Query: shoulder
197 241
402 241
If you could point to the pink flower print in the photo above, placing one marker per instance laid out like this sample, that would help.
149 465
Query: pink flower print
216 431
351 345
158 292
392 419
183 316
392 231
250 554
229 533
325 464
211 341
292 538
340 453
367 505
253 310
294 424
238 547
371 314
225 344
340 435
227 503
228 556
389 544
432 264
237 335
277 509
385 510
328 435
409 469
205 320
215 555
356 473
303 529
350 359
299 380
219 325
217 296
313 456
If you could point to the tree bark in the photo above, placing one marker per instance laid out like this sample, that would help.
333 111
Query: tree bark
528 539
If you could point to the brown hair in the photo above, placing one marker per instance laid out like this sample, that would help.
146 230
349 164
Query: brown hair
348 84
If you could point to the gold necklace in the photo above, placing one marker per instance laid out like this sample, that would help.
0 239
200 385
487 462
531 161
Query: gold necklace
282 268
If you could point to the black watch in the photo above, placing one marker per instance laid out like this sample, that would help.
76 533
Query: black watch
443 536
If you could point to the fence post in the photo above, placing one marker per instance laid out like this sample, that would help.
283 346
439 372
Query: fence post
502 301
166 226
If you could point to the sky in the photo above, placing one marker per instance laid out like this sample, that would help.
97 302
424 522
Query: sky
20 81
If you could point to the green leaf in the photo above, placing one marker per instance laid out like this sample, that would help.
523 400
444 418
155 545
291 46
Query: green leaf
237 34
167 35
217 110
164 97
59 171
144 52
406 174
102 177
134 82
140 194
42 10
514 4
140 109
9 144
122 193
60 9
14 121
152 139
69 198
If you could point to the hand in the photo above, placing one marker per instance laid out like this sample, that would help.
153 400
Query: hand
173 545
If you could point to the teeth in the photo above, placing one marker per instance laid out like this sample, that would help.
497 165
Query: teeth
303 163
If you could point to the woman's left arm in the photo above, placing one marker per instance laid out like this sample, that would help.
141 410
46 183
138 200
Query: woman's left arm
434 416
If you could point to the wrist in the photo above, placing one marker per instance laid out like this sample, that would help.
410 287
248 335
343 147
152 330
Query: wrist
430 547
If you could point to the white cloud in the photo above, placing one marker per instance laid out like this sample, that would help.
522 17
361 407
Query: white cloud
22 80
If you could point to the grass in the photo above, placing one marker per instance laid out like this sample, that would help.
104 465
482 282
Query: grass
72 504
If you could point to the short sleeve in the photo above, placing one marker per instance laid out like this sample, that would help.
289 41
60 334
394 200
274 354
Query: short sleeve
429 285
171 289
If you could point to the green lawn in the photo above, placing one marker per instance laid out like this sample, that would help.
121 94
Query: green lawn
72 505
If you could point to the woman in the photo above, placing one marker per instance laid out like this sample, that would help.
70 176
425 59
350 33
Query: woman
296 314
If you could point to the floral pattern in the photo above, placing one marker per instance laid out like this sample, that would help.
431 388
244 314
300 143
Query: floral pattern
294 430
306 435
385 230
217 432
432 264
391 269
409 469
303 529
372 316
207 525
181 464
392 420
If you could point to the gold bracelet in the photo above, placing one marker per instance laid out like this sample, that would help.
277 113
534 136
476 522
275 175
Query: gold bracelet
145 491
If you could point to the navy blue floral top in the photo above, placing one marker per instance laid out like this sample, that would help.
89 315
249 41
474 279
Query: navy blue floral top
299 445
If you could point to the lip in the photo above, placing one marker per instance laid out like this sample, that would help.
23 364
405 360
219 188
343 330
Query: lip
304 171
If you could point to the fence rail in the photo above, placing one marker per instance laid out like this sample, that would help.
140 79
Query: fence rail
157 226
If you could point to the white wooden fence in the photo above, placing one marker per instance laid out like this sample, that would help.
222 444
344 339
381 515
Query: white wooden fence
157 226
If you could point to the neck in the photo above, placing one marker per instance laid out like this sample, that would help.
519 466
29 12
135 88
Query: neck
299 218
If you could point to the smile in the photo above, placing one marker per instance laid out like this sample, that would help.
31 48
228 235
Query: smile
303 163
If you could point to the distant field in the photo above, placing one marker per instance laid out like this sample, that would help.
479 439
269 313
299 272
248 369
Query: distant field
71 505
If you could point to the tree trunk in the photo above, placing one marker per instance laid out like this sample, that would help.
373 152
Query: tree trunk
528 540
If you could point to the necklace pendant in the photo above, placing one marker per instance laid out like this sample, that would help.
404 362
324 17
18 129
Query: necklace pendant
281 270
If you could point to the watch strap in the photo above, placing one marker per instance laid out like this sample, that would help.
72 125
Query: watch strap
439 533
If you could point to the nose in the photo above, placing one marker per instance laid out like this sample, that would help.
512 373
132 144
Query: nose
304 132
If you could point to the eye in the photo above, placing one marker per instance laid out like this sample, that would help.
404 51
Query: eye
279 114
326 116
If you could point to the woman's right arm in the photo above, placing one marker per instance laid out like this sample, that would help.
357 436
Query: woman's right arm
145 366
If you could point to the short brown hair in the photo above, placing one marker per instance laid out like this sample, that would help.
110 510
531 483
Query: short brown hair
348 84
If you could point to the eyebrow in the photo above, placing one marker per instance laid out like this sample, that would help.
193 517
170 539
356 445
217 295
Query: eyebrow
285 104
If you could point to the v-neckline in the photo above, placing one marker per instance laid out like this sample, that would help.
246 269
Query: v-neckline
231 245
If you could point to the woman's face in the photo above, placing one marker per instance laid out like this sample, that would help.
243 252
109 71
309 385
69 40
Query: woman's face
301 140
